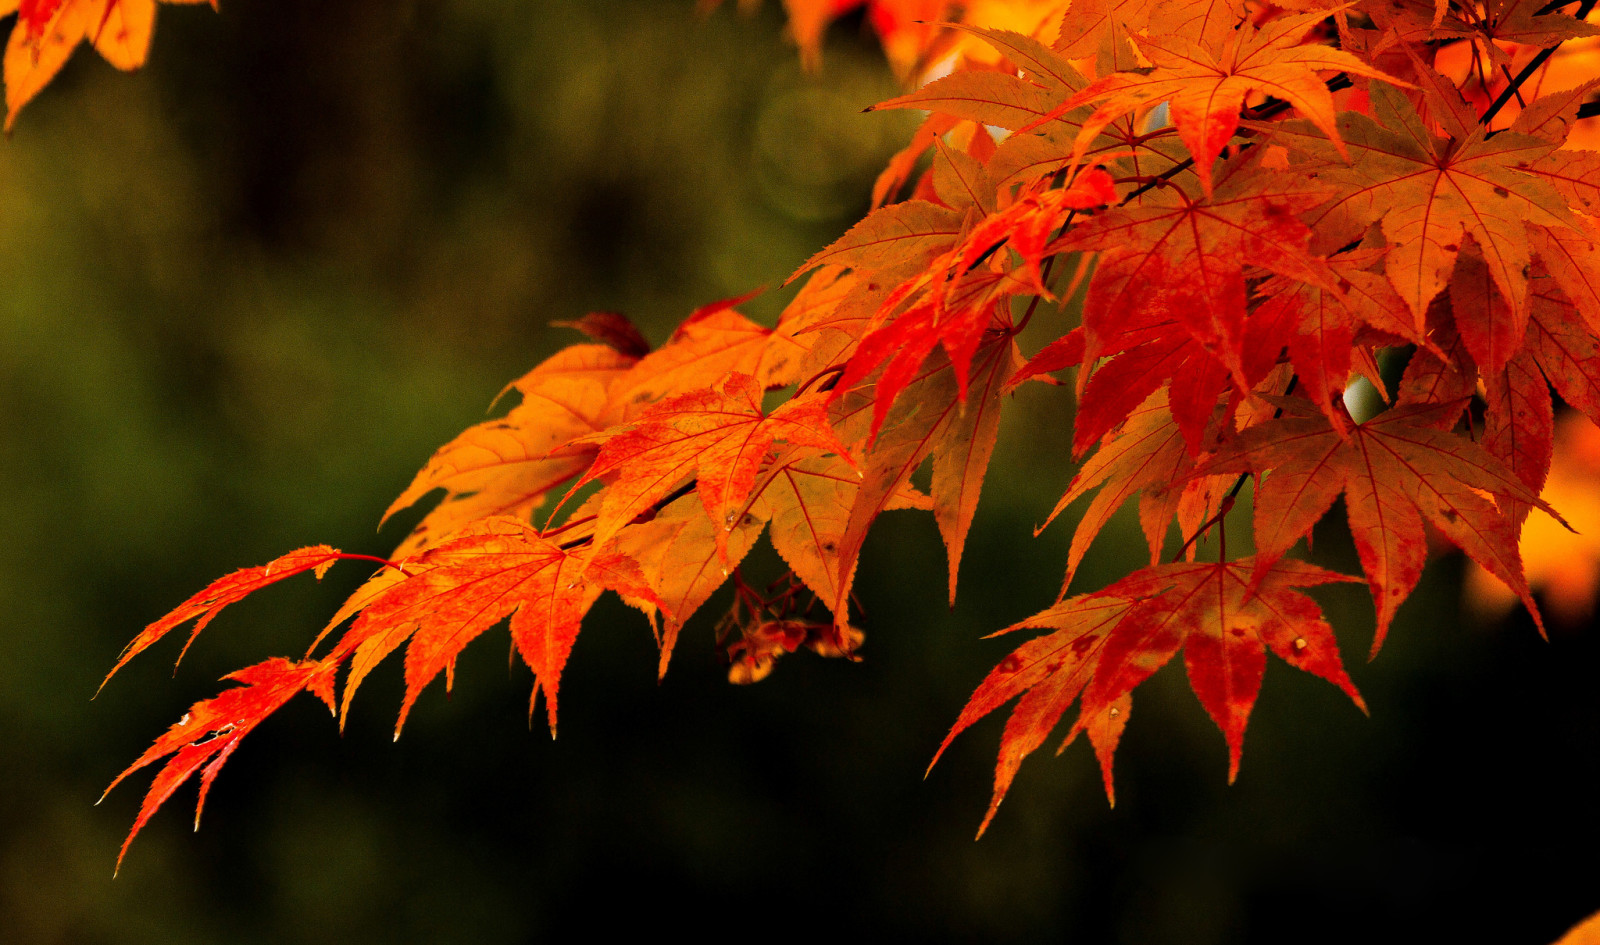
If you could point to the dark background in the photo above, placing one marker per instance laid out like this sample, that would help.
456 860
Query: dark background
249 289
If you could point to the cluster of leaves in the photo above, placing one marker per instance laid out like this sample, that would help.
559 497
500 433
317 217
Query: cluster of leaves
1253 204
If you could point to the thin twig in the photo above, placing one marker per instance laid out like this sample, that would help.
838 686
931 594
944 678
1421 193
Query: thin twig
1528 71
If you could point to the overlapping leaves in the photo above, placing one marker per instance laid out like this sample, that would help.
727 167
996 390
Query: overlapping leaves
1236 271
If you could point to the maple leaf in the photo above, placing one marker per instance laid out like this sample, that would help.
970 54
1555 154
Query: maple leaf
899 234
1215 288
1064 352
1566 348
1029 101
1427 193
712 342
1173 257
204 606
994 97
1048 673
494 568
1572 259
1444 374
1394 470
1563 565
1223 616
1526 23
211 730
1573 175
952 302
807 500
957 324
718 435
680 558
47 32
1204 86
927 421
1147 456
612 329
505 466
1318 329
1519 425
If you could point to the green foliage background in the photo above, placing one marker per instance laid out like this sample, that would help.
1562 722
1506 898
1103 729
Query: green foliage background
248 290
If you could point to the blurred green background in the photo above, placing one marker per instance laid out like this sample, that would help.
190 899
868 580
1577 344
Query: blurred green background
249 289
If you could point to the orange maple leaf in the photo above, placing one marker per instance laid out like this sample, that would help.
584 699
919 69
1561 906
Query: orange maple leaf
718 436
681 560
491 569
1427 193
1205 86
713 341
1394 470
1563 565
209 732
504 466
230 589
1224 616
1145 456
930 420
47 31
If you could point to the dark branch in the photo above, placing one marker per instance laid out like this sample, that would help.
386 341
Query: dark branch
1528 71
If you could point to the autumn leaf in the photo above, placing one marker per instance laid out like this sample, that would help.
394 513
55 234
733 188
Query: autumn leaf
1572 259
713 341
1146 456
927 421
1318 329
1442 375
1176 257
612 329
1048 673
1428 193
1029 100
47 32
1566 348
505 466
1258 207
211 730
718 436
492 569
1395 471
204 606
997 97
1105 644
828 316
1519 426
1224 616
677 551
807 499
1064 352
1564 566
899 234
1205 87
